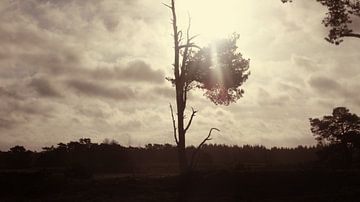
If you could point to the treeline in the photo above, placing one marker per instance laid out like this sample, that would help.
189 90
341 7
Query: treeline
109 156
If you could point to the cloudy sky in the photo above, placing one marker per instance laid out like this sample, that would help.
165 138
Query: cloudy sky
96 68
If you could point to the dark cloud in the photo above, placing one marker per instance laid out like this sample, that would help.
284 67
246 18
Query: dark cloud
44 88
120 50
18 112
17 36
95 111
110 12
167 92
93 89
6 123
137 71
5 93
324 84
26 108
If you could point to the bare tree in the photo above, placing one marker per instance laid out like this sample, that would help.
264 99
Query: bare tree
194 67
340 15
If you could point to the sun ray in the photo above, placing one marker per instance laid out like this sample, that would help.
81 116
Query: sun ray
215 64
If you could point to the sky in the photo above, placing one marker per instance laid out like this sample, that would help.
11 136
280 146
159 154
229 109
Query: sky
71 69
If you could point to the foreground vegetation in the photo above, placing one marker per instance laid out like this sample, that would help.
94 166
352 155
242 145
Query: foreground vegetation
83 156
86 171
221 185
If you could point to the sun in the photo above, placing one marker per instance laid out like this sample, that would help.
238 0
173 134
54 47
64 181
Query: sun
213 19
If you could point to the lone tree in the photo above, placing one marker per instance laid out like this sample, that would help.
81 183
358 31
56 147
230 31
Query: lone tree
219 70
339 131
340 15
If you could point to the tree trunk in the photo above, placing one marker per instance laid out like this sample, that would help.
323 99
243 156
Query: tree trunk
183 164
180 100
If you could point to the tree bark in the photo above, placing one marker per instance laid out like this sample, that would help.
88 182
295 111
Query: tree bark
180 101
183 163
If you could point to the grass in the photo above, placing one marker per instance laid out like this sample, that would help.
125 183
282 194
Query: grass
222 185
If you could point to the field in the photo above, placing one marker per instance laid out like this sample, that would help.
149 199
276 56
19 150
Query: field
221 185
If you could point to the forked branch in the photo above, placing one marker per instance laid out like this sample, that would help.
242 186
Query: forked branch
174 124
208 138
193 114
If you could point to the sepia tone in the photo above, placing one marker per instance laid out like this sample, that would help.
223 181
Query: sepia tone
234 100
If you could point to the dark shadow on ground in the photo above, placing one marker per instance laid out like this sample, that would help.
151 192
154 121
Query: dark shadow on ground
275 185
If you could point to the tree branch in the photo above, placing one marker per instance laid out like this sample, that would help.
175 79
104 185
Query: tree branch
176 38
350 35
185 96
193 37
167 5
191 119
200 145
180 35
185 56
174 125
191 45
188 28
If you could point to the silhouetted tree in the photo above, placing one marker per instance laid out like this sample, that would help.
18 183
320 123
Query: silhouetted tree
340 131
80 160
110 142
19 157
218 69
340 15
17 149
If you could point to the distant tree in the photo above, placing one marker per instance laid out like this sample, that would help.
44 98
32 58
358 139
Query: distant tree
218 70
52 148
17 149
85 141
340 131
340 127
19 157
110 142
340 15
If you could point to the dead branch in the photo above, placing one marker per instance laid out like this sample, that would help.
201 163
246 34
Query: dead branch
185 55
180 36
191 45
208 138
167 5
191 119
174 125
193 37
176 38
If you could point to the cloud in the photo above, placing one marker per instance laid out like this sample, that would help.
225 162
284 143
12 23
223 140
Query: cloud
305 63
167 92
324 84
93 89
44 87
6 123
107 60
5 93
19 113
24 109
92 111
135 71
